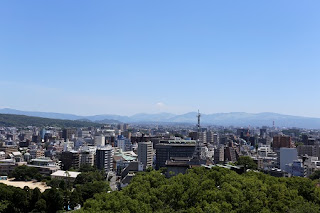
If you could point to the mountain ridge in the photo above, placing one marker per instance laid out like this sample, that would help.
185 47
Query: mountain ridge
221 119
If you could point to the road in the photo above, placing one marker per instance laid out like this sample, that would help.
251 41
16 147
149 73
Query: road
113 182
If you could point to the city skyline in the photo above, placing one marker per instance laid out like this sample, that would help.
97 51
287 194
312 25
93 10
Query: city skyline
140 57
159 106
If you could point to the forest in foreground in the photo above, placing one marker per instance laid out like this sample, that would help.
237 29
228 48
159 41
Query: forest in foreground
210 190
200 190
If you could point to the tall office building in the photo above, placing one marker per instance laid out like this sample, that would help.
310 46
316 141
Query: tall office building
42 133
309 150
99 140
287 156
145 154
68 134
120 127
216 139
104 158
87 155
306 140
202 136
230 154
218 155
173 148
281 141
210 137
127 134
70 159
86 158
263 133
124 144
242 132
125 127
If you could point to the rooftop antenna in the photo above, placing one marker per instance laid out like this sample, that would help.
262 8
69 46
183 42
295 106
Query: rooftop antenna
197 153
199 115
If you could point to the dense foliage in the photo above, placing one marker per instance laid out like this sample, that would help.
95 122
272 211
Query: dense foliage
89 183
214 190
25 173
315 175
13 199
63 194
247 162
200 190
23 121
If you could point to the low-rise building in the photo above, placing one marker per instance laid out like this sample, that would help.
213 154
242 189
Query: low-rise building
65 175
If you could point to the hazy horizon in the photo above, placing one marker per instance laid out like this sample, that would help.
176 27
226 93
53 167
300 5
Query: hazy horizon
194 111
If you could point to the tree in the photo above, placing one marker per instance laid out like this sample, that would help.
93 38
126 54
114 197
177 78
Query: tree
247 162
315 175
87 168
25 173
3 205
40 206
88 190
199 190
86 177
54 183
210 190
35 197
115 202
74 199
54 200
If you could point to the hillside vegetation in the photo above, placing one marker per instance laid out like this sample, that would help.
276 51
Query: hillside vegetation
10 120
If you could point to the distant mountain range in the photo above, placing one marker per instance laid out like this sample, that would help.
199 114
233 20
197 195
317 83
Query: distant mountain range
223 119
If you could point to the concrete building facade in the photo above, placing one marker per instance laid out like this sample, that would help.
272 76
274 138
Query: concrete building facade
145 154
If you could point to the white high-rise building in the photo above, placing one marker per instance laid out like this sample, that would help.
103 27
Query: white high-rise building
203 137
87 155
99 140
145 154
68 145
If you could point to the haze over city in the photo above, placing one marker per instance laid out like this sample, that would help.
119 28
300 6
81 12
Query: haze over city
159 106
130 57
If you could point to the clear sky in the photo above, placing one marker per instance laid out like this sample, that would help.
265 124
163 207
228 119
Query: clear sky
127 57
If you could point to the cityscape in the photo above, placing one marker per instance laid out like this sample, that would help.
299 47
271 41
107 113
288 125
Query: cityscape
159 106
120 151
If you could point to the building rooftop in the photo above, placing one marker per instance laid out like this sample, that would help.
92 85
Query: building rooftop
16 153
61 173
108 147
7 161
180 141
126 157
41 160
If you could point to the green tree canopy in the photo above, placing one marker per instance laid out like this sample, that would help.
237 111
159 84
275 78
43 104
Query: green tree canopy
315 175
247 162
25 173
210 190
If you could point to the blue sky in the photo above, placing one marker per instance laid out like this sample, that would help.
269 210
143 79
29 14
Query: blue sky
127 57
